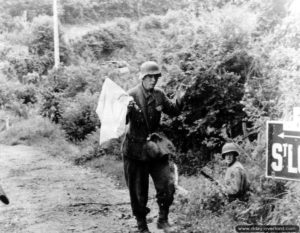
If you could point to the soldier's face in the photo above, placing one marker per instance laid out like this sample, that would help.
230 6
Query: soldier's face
150 81
229 158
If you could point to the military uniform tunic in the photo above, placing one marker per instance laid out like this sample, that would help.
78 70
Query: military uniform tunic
236 181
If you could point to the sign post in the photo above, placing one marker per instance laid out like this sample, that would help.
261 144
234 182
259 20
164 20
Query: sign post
283 150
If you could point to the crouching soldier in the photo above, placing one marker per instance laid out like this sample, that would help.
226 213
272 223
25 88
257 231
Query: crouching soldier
236 184
143 118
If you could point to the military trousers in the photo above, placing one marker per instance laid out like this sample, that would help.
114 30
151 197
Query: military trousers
137 175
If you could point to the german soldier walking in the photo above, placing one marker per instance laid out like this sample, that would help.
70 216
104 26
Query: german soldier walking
143 118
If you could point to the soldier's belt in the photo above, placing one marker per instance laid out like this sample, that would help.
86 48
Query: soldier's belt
135 139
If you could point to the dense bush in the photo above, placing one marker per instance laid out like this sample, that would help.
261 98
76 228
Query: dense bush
271 14
79 118
64 101
7 94
102 42
213 70
203 210
76 116
27 94
123 23
286 209
65 82
34 53
212 111
182 18
68 80
150 22
50 105
41 43
15 97
9 23
20 63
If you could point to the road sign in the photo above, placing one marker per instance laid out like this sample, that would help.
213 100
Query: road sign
283 150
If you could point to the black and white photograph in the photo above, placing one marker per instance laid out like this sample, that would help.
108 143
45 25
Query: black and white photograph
139 116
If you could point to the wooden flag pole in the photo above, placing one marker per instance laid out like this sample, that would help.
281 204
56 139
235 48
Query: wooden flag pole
56 35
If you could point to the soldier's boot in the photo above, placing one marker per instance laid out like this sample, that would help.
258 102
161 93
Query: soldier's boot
163 222
142 225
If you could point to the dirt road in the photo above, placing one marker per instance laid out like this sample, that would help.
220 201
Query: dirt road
50 195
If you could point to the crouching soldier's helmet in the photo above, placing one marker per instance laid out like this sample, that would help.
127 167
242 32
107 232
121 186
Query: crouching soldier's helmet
230 147
149 68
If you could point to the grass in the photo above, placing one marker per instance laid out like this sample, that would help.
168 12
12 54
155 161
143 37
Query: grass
40 132
204 209
111 166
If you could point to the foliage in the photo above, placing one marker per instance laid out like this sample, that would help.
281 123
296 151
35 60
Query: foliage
33 54
272 94
9 23
206 206
50 105
27 9
65 82
271 14
203 210
41 43
90 148
27 94
102 42
190 163
32 131
17 98
38 131
73 11
150 22
20 63
286 209
213 70
179 17
212 104
79 118
19 109
7 94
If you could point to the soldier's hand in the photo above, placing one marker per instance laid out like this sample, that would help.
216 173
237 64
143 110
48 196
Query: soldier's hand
132 106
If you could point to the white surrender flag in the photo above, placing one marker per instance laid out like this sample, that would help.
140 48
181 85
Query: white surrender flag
112 109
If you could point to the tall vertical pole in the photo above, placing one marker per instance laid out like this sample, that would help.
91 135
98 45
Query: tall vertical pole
56 36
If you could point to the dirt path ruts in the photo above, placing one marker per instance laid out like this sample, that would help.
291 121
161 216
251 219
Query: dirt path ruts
49 195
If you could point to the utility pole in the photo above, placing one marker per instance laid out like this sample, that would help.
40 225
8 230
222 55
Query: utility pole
56 35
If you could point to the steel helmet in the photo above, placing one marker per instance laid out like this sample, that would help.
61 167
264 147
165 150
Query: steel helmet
230 147
149 67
